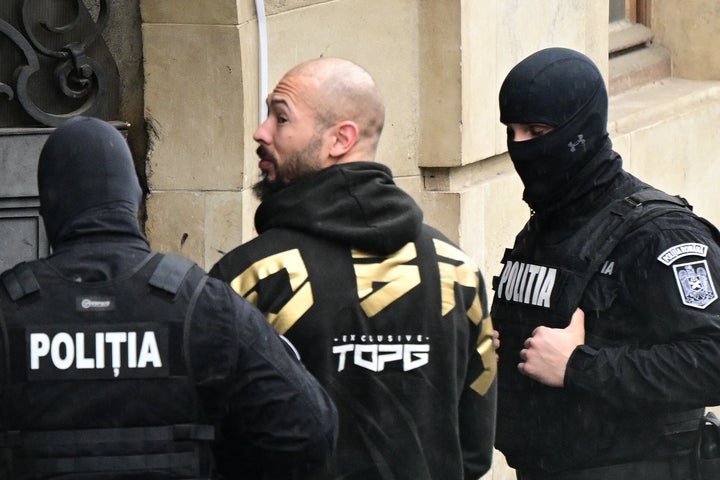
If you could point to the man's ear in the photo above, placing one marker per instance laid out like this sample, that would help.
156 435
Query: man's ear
344 138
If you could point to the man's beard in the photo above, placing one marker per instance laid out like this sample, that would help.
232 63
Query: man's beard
300 165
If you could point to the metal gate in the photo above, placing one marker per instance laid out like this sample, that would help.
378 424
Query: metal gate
54 64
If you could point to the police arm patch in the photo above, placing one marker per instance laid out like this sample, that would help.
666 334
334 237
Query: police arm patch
682 250
695 284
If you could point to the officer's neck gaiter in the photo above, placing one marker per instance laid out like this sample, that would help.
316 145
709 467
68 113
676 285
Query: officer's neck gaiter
548 165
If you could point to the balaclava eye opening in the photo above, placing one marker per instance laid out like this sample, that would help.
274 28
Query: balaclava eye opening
85 164
564 89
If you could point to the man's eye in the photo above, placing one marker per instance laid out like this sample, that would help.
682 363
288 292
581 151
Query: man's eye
281 119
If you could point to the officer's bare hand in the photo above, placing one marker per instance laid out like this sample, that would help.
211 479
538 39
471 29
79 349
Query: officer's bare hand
547 351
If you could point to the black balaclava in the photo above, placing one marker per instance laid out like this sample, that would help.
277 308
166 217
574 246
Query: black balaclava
564 89
87 182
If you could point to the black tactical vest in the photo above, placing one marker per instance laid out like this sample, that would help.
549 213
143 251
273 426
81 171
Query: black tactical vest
542 283
95 375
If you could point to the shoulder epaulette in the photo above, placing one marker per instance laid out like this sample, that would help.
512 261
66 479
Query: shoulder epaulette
20 281
654 195
170 273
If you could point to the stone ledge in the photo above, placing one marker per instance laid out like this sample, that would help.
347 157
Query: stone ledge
632 110
456 179
638 67
655 103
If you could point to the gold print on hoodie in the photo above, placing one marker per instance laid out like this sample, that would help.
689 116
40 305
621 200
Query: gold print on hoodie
302 299
396 278
461 269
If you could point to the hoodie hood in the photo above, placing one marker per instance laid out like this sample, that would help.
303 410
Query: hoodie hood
357 204
87 182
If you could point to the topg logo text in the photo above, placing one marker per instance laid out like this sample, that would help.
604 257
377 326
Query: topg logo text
378 352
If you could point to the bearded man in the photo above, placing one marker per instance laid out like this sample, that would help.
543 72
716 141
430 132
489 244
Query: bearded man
385 311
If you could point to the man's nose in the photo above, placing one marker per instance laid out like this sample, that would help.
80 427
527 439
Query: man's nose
262 134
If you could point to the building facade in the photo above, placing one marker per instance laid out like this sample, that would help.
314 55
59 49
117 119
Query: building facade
209 64
193 76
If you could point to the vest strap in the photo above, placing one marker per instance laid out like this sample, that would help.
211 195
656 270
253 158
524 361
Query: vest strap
170 273
20 281
86 451
653 194
182 464
109 435
617 220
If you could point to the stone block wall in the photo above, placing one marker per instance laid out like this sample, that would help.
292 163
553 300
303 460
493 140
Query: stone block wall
201 106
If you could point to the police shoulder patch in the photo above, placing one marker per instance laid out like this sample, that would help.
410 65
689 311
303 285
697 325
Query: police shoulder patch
682 250
695 284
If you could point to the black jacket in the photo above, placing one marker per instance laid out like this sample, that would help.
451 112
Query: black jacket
387 313
270 415
636 389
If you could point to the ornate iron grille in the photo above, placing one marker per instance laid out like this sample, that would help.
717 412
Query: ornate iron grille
54 63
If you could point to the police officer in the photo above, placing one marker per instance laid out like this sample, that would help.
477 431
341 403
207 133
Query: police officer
120 362
606 304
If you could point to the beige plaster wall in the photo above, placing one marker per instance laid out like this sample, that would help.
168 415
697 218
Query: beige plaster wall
667 134
690 32
201 107
197 12
380 36
525 27
495 35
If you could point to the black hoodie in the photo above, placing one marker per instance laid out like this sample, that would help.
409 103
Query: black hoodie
356 204
386 312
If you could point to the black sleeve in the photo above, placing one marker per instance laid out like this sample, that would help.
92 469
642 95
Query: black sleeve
477 431
478 400
273 414
215 272
235 259
674 361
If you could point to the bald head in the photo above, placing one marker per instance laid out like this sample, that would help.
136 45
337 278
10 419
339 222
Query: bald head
339 90
321 113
